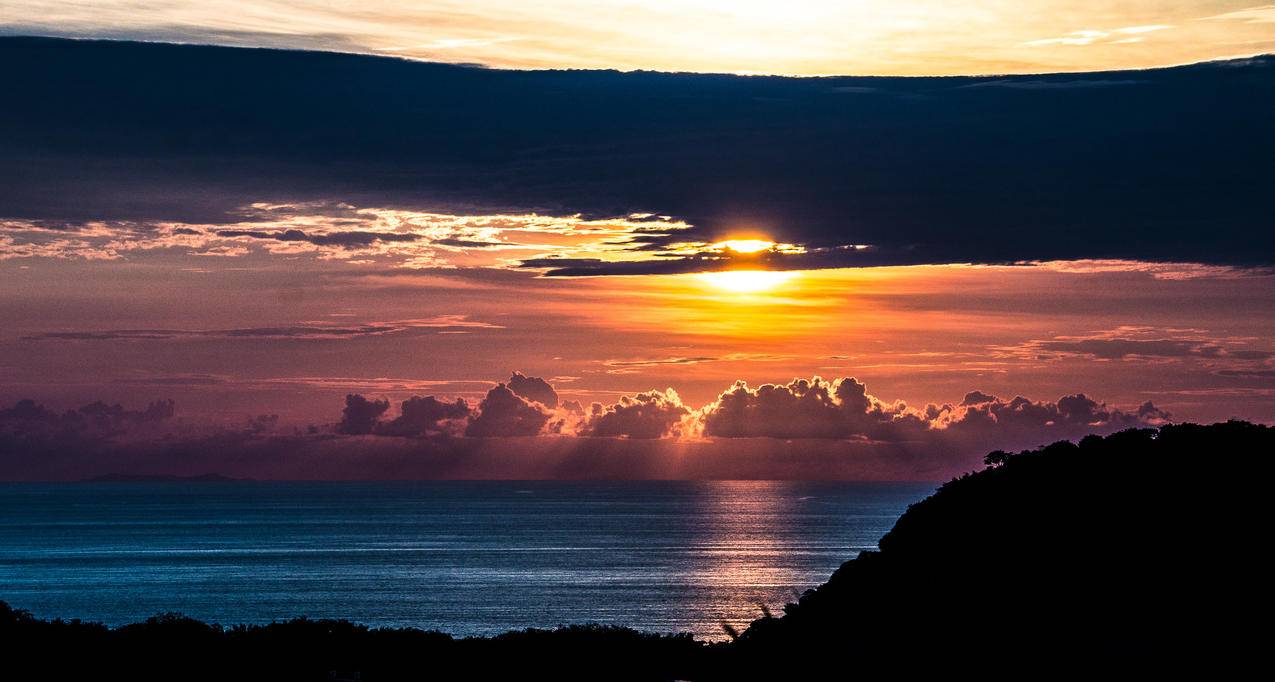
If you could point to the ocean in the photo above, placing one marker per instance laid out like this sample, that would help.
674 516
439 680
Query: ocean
467 558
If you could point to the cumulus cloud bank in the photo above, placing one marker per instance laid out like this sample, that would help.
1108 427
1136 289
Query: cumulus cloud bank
808 409
807 428
426 416
804 409
843 409
97 419
653 414
506 413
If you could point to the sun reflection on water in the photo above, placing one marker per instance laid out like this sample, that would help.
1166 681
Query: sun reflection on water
741 555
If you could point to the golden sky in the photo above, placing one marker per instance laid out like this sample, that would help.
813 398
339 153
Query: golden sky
244 318
802 37
887 276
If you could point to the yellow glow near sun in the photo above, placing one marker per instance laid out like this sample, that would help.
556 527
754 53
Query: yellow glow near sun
746 281
745 245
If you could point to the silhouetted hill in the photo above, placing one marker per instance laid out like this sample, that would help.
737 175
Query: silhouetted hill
1140 552
1144 548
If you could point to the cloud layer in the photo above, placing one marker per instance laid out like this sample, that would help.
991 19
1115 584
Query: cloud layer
808 428
851 171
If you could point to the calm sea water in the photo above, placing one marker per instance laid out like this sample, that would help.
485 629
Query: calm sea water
466 558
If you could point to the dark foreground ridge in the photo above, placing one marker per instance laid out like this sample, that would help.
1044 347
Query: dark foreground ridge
1136 552
1139 550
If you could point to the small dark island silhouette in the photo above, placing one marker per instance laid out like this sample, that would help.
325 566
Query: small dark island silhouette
163 478
1140 552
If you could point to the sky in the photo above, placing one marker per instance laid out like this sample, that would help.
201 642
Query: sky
240 319
799 37
289 265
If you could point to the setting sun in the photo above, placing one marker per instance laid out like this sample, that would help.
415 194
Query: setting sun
745 245
747 281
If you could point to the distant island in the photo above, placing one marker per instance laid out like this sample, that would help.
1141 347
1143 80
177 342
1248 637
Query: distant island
1141 552
161 478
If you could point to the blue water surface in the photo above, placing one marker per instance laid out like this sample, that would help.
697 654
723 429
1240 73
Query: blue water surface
469 558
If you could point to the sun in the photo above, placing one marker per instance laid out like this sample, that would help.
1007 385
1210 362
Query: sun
746 281
745 245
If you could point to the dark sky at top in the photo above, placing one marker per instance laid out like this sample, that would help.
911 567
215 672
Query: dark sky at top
1170 164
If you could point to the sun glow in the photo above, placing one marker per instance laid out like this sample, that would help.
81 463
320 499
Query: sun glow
747 281
803 37
745 245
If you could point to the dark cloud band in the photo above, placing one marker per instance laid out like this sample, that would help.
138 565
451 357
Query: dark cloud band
1158 165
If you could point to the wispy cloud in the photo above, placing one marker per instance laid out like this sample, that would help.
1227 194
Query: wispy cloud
333 231
449 44
809 38
286 332
634 366
1126 34
1137 343
1262 14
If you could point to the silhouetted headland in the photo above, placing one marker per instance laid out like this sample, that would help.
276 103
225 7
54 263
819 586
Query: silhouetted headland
1139 552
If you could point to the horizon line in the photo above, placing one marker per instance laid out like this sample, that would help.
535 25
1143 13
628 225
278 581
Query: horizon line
616 70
